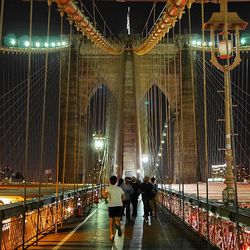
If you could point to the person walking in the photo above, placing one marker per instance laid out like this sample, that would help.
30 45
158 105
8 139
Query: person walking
115 196
153 201
128 191
135 195
146 190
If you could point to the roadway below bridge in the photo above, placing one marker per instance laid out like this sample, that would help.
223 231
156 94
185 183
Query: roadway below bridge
214 190
92 232
16 191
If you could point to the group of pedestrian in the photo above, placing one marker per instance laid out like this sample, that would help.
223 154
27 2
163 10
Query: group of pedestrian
125 193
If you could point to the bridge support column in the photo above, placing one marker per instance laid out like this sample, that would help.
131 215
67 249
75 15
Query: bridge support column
184 134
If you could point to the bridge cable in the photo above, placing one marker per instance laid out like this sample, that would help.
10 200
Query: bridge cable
87 130
66 111
27 123
181 119
168 113
41 165
178 125
80 116
59 124
1 22
146 23
162 123
76 121
194 115
205 118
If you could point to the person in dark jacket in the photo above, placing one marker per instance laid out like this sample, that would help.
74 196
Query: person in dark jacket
153 201
128 191
135 195
146 190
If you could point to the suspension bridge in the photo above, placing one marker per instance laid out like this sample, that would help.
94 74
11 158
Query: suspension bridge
91 89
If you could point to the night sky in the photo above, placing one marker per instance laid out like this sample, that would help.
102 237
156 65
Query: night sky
16 19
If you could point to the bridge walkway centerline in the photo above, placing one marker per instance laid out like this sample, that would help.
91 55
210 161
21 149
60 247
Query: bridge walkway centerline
92 232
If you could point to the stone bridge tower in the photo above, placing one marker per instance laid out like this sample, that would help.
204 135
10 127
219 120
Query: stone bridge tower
126 77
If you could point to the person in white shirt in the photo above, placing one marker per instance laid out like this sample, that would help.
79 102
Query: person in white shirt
115 196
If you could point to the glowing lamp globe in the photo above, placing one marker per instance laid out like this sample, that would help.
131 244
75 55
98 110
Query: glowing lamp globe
99 144
225 49
99 141
145 158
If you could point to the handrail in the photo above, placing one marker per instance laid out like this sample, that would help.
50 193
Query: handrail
50 212
221 220
215 207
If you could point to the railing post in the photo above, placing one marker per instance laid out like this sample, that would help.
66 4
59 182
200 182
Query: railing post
37 226
23 232
1 230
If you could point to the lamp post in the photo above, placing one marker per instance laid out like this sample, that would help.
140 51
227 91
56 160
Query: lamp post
144 160
99 142
226 46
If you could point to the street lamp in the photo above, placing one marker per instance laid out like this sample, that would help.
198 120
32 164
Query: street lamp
99 142
226 46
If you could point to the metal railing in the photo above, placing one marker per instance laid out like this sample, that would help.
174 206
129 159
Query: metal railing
41 216
221 223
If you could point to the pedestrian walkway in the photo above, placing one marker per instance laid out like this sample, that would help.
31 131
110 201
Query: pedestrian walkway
92 232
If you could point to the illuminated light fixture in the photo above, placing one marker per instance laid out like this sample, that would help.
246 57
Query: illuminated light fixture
37 44
225 49
164 134
58 44
204 44
10 40
53 44
219 28
26 43
46 45
198 43
194 42
162 141
166 126
243 41
138 171
159 154
145 158
99 141
63 43
210 44
13 42
156 164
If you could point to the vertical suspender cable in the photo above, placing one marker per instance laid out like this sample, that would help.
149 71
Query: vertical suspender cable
1 22
168 108
205 116
80 103
66 111
26 159
160 95
78 110
181 111
76 118
87 122
177 121
43 118
194 113
58 123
